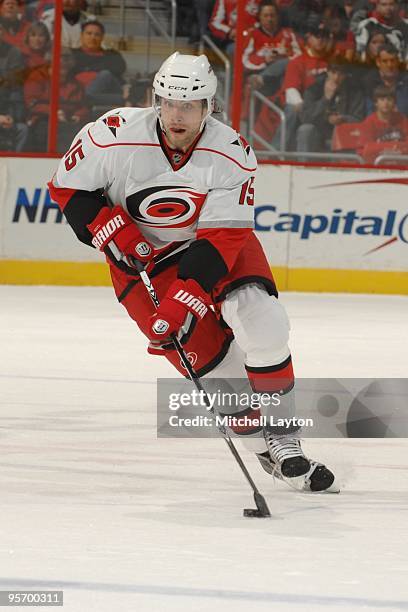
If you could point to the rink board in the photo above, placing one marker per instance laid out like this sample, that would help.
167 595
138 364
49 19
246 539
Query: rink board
322 229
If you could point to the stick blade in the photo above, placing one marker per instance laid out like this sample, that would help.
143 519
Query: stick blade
261 504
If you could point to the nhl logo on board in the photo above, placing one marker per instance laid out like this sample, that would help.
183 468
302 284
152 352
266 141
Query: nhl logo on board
160 326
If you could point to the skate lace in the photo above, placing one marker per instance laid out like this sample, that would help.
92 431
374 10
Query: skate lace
283 447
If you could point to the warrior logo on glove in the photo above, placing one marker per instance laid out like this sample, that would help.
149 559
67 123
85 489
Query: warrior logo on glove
193 303
105 231
113 226
184 303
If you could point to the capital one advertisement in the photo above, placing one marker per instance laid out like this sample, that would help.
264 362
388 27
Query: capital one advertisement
340 219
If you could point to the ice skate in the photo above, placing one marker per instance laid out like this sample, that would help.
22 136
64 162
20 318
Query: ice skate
285 460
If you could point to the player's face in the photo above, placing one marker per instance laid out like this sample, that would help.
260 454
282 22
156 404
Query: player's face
181 121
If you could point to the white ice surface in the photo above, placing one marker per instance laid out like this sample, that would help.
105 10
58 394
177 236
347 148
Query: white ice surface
92 503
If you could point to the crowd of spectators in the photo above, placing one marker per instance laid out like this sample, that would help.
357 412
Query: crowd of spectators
336 68
332 67
91 76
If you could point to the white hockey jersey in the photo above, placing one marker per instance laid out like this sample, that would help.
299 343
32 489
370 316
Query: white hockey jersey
121 153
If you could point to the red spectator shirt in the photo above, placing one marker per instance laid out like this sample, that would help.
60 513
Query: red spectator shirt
260 44
302 71
378 136
375 129
16 36
341 46
33 59
224 16
37 95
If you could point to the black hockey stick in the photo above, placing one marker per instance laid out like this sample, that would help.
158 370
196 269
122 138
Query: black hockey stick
261 509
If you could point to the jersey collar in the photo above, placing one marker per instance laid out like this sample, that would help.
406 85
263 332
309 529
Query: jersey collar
177 159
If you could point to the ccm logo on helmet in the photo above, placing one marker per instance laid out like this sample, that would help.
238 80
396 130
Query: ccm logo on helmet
178 87
107 230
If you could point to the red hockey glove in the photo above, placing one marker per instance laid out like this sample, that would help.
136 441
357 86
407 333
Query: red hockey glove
184 303
113 227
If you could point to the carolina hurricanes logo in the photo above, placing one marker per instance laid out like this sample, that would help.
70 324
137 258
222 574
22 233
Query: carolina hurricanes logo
192 358
172 206
114 122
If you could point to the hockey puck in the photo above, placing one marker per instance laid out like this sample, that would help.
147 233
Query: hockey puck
253 513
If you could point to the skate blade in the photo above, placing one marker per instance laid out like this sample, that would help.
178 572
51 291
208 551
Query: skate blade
299 484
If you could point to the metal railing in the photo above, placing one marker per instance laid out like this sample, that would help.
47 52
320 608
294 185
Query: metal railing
305 157
251 123
122 39
152 19
206 40
391 157
271 152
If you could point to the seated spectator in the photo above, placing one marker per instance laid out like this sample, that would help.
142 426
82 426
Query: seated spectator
13 132
333 99
387 73
269 48
364 8
15 26
341 43
223 21
385 130
303 70
99 70
367 56
72 111
385 18
72 20
37 46
301 73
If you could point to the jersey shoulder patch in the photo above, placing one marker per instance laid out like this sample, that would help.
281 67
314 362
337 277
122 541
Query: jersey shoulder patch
122 126
230 154
228 144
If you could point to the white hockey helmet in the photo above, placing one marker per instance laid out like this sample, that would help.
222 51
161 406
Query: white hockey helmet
185 77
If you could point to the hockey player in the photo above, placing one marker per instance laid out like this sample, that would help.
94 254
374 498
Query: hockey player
182 184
